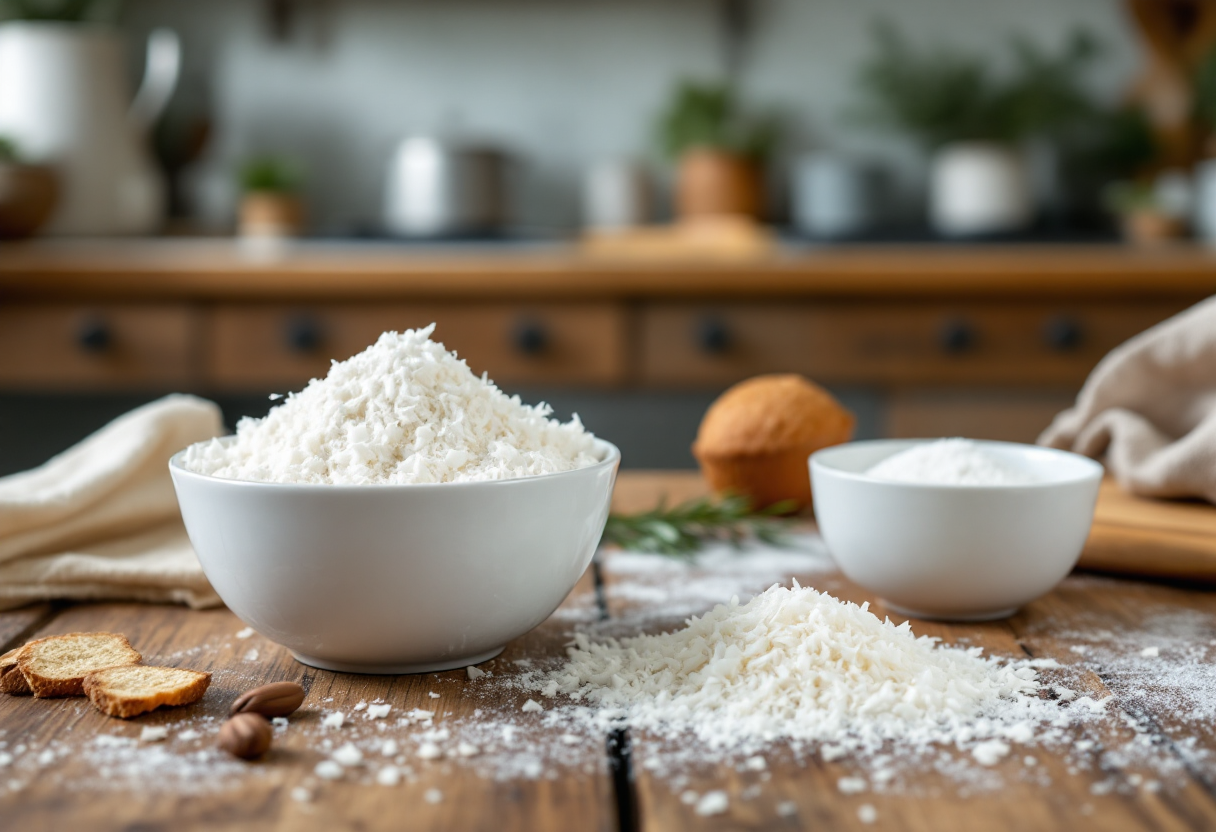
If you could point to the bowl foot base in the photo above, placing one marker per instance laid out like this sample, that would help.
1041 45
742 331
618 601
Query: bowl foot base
397 669
934 616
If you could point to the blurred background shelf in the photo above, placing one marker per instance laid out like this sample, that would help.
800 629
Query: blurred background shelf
987 342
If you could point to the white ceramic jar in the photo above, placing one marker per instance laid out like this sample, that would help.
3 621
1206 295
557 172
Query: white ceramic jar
978 188
64 100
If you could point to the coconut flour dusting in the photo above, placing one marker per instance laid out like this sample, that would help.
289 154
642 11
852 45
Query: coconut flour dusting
950 462
405 410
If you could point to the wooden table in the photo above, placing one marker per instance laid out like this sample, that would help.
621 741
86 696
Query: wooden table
62 777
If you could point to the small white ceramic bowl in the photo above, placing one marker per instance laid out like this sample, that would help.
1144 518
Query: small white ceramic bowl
960 552
396 578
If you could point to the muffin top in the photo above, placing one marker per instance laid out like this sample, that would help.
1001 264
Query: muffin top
771 414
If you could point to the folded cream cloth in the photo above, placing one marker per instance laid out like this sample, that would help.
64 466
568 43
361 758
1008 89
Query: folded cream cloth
1149 407
100 521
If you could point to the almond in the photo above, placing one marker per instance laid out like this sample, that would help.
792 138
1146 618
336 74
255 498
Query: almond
275 699
246 736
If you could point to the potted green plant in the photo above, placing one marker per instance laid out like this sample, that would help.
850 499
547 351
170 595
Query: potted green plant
973 121
1145 217
271 205
27 193
719 149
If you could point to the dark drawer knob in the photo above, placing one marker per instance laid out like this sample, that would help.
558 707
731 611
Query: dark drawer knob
531 337
713 336
957 336
303 334
94 335
1063 333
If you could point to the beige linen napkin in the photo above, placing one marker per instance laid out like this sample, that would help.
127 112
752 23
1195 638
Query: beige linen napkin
100 521
1149 407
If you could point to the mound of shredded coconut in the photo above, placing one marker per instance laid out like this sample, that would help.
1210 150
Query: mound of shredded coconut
405 410
802 665
950 462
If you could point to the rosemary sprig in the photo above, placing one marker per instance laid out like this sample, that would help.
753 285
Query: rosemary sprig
686 528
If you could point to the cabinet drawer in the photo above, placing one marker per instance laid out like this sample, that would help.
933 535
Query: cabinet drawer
53 346
983 343
259 347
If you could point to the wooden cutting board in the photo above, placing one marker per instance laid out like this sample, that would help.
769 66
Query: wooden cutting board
1158 538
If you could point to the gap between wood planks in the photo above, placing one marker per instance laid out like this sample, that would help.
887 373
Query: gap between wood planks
620 752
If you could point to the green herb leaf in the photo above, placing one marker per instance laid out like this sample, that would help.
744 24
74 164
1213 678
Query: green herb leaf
683 530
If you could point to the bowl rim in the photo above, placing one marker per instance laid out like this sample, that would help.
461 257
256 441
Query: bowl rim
821 460
610 453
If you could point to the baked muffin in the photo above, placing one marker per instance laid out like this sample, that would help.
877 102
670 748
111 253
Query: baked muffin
755 438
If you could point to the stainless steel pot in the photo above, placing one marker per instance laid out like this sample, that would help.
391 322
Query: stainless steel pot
440 189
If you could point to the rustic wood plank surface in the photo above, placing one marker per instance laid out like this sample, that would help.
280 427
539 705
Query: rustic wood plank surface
56 774
1087 788
225 269
78 784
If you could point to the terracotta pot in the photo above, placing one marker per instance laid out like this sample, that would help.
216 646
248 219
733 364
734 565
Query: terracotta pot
715 183
265 214
1152 228
28 194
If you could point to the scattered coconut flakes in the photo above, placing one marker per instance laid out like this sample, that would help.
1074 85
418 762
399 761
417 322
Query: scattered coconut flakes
755 763
378 711
389 748
419 714
532 706
301 795
388 776
990 753
348 755
432 694
799 664
433 796
852 785
189 734
1150 652
787 809
329 770
429 751
279 722
712 803
333 720
252 655
467 749
245 633
474 672
867 813
360 705
153 733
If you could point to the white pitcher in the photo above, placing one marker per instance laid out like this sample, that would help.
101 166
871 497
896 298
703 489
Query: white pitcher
64 100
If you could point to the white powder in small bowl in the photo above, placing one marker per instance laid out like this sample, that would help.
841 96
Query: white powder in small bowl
405 410
950 462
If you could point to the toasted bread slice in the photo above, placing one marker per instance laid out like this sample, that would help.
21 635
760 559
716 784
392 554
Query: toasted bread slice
57 665
11 680
129 691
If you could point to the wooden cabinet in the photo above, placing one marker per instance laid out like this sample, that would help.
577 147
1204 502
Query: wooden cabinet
111 347
259 346
888 344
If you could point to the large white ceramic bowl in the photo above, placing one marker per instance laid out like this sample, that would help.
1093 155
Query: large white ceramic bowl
960 552
396 578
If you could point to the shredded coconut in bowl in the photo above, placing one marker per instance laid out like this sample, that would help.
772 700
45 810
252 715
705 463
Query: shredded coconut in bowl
403 411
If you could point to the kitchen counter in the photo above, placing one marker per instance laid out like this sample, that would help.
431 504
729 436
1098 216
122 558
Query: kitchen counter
64 778
321 270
